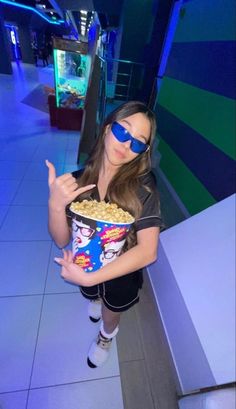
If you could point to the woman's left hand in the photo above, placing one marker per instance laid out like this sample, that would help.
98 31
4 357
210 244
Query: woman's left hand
72 272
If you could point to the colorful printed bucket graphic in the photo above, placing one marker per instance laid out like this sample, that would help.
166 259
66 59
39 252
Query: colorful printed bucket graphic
96 243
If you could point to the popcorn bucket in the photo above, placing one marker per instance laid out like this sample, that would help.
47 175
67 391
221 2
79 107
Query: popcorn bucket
96 242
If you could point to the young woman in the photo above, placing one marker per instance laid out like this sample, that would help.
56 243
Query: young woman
117 171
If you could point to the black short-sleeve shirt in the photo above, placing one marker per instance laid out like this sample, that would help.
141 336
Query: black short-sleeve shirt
149 197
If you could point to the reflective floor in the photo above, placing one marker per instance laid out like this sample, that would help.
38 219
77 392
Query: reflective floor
45 331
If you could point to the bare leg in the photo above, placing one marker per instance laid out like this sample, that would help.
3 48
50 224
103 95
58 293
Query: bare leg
99 350
110 319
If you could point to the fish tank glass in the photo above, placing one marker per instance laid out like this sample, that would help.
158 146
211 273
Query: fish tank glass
72 66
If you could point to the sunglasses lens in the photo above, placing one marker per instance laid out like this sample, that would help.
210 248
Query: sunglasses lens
121 134
138 146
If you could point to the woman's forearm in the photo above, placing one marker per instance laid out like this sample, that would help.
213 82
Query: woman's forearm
58 226
134 259
62 191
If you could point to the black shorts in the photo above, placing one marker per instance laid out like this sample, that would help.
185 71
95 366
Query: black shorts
118 294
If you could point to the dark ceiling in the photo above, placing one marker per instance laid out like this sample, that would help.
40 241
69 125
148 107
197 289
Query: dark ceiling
108 12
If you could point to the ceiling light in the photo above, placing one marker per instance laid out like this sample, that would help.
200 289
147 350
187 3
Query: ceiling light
32 9
83 11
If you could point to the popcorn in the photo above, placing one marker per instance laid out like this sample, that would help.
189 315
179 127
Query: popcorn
107 212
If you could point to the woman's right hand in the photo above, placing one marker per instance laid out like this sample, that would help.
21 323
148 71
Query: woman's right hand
63 189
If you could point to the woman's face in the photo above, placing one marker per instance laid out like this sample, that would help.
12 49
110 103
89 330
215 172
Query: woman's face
118 153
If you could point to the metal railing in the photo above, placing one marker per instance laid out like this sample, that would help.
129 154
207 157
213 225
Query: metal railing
120 80
126 78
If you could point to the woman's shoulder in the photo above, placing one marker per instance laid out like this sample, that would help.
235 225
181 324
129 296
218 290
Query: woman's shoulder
148 180
148 189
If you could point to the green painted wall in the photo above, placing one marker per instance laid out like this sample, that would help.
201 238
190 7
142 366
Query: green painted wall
196 109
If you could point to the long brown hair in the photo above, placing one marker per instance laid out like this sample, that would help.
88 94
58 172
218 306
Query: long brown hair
123 187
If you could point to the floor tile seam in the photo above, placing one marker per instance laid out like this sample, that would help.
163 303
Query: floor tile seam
150 385
67 144
63 293
26 205
20 183
63 150
64 162
20 161
15 160
129 361
44 145
39 294
60 384
16 178
68 150
139 329
143 360
26 170
42 160
14 391
74 383
36 180
18 187
4 217
48 268
20 180
24 241
149 378
21 296
38 329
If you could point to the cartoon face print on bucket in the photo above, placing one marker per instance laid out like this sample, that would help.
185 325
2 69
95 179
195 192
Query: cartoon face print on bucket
82 233
110 251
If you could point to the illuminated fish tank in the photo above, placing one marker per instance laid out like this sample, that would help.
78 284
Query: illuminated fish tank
72 65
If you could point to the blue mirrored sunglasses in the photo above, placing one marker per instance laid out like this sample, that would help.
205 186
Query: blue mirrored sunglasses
122 135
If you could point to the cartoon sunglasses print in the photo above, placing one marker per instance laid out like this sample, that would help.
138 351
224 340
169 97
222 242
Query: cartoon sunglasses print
84 231
111 253
122 135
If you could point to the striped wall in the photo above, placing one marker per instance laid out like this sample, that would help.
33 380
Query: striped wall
196 108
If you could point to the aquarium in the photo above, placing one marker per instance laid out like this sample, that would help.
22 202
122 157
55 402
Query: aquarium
72 65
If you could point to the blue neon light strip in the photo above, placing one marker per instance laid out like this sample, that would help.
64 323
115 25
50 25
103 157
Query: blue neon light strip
23 6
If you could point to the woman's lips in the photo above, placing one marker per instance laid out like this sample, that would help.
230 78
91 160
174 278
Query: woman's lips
120 154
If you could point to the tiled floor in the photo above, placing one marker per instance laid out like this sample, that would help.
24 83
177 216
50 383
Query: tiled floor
45 332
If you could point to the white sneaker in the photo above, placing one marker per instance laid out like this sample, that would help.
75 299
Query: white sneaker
100 348
95 310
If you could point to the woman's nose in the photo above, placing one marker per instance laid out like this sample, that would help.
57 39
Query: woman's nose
127 144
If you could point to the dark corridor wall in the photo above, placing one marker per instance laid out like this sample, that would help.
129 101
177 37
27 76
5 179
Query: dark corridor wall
196 105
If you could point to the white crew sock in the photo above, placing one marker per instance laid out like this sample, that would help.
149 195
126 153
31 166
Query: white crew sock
105 334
